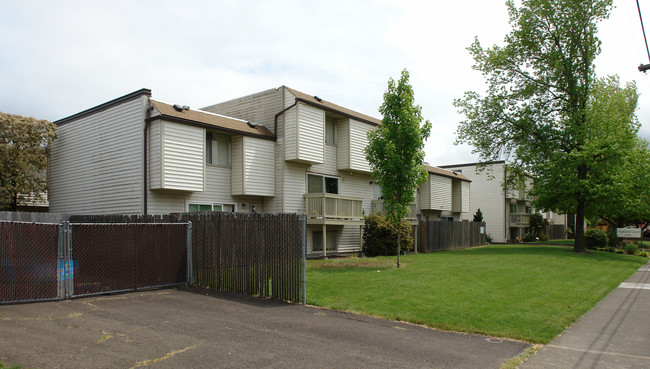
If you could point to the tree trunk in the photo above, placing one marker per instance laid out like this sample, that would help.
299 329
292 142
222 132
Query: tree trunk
579 241
399 243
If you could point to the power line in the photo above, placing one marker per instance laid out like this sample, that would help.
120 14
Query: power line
643 67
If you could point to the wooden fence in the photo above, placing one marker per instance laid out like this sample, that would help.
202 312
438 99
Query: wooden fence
446 235
255 254
556 231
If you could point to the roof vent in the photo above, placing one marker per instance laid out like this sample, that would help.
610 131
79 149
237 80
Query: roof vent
252 125
181 107
318 99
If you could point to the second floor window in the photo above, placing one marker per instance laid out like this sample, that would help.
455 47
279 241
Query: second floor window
513 208
322 184
218 150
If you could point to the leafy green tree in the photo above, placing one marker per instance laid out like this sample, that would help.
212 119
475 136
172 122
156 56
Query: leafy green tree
478 216
23 157
395 150
537 112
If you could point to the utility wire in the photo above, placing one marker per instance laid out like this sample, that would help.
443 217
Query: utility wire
643 29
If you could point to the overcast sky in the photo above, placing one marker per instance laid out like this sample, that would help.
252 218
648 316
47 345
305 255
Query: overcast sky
61 57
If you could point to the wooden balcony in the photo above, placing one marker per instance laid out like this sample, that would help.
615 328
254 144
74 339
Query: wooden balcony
379 209
327 208
519 220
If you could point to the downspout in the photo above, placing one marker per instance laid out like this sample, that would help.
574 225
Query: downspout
275 133
146 129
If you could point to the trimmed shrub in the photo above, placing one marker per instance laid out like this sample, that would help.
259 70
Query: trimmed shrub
595 238
528 237
643 254
543 237
613 240
380 237
631 248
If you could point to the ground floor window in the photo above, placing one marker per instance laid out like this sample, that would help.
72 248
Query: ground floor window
317 240
193 208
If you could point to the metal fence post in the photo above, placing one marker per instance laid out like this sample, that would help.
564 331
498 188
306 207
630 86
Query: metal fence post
60 262
303 281
190 275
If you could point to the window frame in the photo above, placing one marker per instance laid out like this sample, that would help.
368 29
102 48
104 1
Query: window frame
212 206
323 183
209 149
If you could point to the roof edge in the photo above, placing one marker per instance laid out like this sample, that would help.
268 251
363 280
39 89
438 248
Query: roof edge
472 164
101 107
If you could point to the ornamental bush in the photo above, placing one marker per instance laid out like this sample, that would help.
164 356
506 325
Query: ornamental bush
529 237
595 238
631 248
380 237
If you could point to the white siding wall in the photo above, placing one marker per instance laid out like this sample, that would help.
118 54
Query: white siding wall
290 130
96 162
487 194
183 158
440 192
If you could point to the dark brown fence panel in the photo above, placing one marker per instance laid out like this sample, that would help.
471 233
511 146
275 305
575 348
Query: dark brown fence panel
255 254
445 235
121 257
556 232
28 261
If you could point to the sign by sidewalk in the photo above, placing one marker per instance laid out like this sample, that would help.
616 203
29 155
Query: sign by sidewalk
628 232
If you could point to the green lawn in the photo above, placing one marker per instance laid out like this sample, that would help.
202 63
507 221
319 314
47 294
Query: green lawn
527 292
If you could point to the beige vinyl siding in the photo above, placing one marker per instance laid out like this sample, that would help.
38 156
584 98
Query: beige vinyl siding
343 144
290 139
96 162
305 136
440 193
358 143
329 163
353 139
465 196
295 176
456 197
217 191
257 108
487 194
183 157
237 186
350 239
424 195
358 185
259 167
154 155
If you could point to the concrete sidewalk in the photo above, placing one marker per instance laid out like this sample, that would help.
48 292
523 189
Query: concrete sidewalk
614 334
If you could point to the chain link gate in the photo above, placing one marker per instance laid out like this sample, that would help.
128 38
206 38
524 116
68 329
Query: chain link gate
41 261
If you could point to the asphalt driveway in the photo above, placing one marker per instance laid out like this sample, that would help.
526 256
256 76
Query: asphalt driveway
202 329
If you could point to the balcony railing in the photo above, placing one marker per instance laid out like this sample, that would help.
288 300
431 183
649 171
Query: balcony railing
378 208
326 206
519 220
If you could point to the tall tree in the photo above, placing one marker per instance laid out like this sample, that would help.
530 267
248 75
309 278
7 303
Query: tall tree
395 150
535 113
23 157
